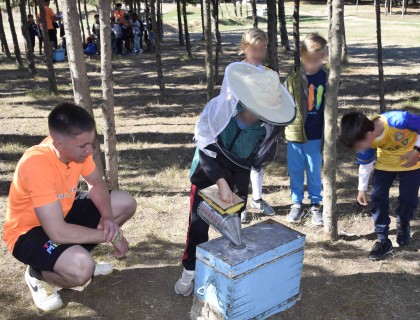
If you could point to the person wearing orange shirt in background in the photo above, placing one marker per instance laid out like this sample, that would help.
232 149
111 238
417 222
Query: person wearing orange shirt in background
50 17
119 13
50 225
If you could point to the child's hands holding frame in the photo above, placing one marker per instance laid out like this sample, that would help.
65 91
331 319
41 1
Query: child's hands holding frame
225 192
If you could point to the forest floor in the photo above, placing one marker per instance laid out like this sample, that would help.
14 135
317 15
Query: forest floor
155 150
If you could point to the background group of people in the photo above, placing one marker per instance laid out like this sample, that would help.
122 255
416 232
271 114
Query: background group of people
128 31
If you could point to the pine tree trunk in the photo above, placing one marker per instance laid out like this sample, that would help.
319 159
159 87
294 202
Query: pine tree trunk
87 17
18 57
157 48
331 116
273 60
329 7
30 60
180 31
77 64
380 61
218 38
187 34
56 6
202 17
209 49
283 28
81 23
110 139
344 47
159 19
48 50
3 39
296 36
254 13
29 7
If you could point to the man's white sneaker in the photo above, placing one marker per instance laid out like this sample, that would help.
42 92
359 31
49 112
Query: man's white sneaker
45 295
102 269
185 284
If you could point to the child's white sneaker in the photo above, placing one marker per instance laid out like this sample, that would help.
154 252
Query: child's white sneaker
316 212
263 207
244 216
45 295
296 213
185 284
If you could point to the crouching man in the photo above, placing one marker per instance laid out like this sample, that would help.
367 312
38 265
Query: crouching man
51 226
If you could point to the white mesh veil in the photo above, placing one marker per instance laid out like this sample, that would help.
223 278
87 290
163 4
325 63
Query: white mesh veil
214 119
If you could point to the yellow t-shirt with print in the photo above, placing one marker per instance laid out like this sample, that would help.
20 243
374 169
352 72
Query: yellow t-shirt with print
394 143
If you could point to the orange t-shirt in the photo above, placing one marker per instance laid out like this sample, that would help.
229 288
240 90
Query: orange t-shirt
119 14
49 14
40 179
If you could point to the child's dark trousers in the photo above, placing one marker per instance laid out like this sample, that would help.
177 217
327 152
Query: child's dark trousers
198 230
408 198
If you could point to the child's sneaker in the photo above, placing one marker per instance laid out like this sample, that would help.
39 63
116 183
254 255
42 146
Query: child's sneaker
296 213
316 212
380 249
244 216
185 284
263 207
403 233
44 294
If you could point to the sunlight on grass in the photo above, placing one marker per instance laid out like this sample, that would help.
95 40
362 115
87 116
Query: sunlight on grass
12 148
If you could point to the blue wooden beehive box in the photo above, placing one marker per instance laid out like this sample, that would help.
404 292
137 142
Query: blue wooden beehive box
251 283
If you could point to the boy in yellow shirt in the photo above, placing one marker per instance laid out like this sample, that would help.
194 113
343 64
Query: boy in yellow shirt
389 144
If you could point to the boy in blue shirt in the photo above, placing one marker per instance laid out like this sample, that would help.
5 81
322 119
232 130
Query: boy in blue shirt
307 83
388 145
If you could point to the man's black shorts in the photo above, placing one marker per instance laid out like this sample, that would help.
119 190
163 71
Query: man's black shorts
52 34
34 248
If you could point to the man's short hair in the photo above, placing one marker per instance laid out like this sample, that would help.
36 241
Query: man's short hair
70 120
96 15
30 16
119 4
354 127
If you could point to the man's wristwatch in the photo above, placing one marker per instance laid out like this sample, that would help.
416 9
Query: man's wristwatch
417 149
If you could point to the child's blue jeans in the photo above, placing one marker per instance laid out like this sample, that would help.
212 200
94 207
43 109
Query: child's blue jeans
137 46
300 157
408 199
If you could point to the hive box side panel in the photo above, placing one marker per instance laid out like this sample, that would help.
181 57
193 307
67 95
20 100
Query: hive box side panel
264 242
218 262
270 288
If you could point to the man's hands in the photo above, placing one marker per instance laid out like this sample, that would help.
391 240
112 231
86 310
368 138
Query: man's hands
225 193
110 228
122 247
411 158
362 198
113 233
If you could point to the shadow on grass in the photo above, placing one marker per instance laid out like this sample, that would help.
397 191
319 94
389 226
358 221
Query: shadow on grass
147 293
